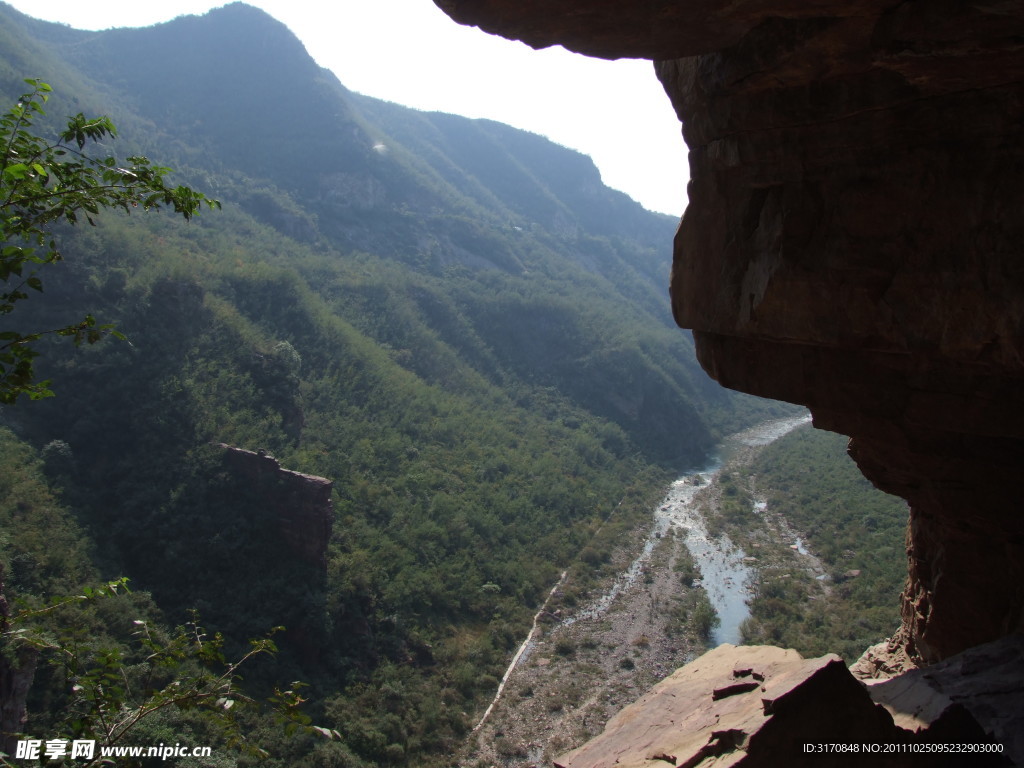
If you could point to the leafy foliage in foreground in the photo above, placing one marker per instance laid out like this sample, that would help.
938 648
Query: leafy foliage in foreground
113 690
46 181
857 532
105 668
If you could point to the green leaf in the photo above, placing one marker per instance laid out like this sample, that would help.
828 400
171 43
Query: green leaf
17 171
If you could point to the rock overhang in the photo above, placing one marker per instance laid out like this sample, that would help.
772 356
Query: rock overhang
854 242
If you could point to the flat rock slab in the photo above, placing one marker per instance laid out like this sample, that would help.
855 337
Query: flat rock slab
755 705
980 688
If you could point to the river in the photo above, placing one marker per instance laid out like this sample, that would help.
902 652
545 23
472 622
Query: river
724 574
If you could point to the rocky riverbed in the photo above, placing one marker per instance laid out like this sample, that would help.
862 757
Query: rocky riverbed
582 667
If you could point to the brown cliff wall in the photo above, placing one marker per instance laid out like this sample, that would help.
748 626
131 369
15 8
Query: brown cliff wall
299 507
855 243
300 503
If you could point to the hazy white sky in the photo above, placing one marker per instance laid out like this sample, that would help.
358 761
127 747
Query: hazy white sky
410 52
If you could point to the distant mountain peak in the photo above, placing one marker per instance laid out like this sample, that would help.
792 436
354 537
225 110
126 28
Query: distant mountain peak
238 11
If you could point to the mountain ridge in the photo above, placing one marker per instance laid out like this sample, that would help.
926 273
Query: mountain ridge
217 53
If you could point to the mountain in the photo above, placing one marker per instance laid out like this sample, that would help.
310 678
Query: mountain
458 202
453 321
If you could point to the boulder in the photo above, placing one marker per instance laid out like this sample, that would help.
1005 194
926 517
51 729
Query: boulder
749 705
760 706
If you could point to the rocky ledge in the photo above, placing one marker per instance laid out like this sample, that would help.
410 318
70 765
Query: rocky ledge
764 706
300 503
854 243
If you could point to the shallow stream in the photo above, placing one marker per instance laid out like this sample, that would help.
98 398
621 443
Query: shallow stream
724 574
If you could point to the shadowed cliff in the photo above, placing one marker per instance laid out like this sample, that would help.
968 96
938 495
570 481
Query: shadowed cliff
853 243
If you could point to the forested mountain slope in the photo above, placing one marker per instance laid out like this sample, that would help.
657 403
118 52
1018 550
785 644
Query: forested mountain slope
452 320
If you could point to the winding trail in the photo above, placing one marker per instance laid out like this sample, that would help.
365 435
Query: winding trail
519 653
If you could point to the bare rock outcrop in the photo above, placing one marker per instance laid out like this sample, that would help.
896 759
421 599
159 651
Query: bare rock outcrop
854 242
17 670
764 706
980 689
300 503
755 704
297 510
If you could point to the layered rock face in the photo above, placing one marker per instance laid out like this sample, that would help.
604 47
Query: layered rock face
301 504
749 705
756 706
855 243
299 507
979 690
